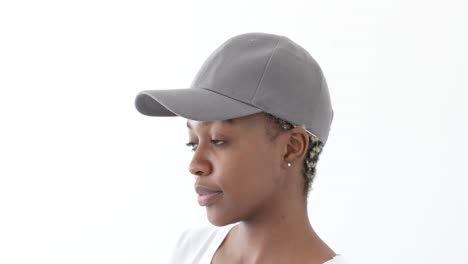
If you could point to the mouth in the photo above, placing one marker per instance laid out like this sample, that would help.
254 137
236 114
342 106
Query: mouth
209 199
206 196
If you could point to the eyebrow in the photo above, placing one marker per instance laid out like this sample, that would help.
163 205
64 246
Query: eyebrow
204 123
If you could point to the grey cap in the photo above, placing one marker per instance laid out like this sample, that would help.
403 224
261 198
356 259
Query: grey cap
248 74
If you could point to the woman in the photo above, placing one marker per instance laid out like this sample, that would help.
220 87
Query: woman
258 114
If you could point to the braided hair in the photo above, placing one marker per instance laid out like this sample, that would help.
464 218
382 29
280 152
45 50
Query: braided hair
313 150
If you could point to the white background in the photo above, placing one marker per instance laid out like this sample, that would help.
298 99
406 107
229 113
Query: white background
84 178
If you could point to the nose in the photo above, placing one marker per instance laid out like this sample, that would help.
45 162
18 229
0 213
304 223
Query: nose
199 166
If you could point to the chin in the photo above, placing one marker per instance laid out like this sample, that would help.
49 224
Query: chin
219 217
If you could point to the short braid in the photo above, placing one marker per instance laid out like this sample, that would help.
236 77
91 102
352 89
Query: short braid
313 151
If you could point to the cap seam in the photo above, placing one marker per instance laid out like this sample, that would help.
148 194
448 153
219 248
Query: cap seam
204 88
316 106
264 70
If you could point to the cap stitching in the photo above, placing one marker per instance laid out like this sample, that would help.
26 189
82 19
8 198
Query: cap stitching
264 70
247 103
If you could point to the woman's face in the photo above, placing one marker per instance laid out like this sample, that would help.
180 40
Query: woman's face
238 167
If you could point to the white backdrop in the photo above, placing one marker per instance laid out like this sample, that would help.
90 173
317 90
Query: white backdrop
84 178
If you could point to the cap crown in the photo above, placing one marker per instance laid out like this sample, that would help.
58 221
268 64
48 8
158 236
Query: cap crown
272 73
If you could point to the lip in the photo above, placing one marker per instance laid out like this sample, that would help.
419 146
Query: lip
202 190
207 196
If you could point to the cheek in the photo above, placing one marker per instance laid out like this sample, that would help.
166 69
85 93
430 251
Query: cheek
250 174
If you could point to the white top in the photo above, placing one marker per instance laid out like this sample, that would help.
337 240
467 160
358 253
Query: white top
198 246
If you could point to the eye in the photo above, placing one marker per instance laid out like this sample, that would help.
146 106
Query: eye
213 141
191 145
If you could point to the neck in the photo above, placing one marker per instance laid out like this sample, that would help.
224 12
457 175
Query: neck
275 233
280 223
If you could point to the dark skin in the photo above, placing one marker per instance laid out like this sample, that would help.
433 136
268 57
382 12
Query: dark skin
258 189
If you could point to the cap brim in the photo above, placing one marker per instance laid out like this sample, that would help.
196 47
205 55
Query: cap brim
192 103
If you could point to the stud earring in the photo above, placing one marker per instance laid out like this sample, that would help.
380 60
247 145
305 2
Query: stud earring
289 164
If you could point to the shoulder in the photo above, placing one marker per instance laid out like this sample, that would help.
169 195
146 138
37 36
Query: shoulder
338 259
194 238
195 244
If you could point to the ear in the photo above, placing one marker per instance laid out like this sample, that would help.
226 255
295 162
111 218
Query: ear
296 145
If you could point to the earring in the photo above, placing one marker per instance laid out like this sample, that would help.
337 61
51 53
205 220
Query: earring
289 164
